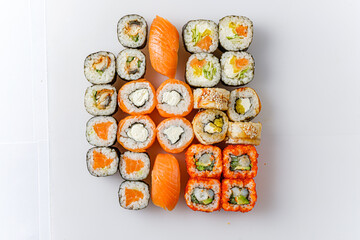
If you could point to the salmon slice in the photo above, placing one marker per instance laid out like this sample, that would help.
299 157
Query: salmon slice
241 30
102 129
239 63
163 47
165 180
132 195
205 43
100 160
132 165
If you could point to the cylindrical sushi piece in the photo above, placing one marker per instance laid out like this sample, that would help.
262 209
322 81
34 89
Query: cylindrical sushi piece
102 161
137 97
237 68
100 100
203 70
99 67
203 194
134 165
244 133
235 33
210 126
174 99
238 195
132 31
136 133
200 36
101 131
240 161
211 98
175 134
244 104
134 195
203 161
130 64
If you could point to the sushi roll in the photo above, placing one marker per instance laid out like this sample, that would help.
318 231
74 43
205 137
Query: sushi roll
130 64
235 33
210 126
136 133
99 67
174 99
137 97
200 36
237 68
203 70
100 100
244 133
175 134
211 98
101 131
102 161
132 31
203 194
134 195
240 161
134 165
203 161
244 104
238 195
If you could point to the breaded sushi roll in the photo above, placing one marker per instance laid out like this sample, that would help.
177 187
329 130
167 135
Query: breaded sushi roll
137 97
244 133
235 33
203 161
134 165
240 161
130 64
101 131
203 70
244 104
211 98
174 134
132 31
102 161
238 195
136 133
134 195
210 126
100 100
99 67
174 99
200 36
237 68
203 194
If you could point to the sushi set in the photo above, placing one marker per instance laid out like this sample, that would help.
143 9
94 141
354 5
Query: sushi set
220 177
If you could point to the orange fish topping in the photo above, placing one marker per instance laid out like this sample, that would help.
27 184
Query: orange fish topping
133 165
100 160
102 129
205 43
132 195
239 63
241 30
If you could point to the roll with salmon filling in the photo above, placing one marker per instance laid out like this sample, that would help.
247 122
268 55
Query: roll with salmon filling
132 31
101 131
102 161
134 195
238 195
134 165
203 70
200 36
244 133
235 33
244 104
211 98
237 68
99 67
100 100
130 64
240 161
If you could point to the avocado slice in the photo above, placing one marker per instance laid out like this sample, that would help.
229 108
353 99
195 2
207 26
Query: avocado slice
207 201
241 200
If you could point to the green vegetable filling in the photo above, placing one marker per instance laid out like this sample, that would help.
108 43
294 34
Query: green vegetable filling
241 163
241 74
209 71
238 200
135 38
195 35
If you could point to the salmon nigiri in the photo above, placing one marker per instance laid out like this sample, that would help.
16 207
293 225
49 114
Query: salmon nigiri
165 181
163 47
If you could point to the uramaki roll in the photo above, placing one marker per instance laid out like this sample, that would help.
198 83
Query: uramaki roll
244 133
211 98
238 195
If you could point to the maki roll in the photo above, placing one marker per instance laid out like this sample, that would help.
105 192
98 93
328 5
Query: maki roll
100 100
211 98
235 33
102 161
174 99
130 64
238 195
132 31
136 133
244 133
101 131
203 194
99 67
244 104
240 161
210 126
175 134
200 36
237 68
203 70
134 195
134 165
137 97
203 161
